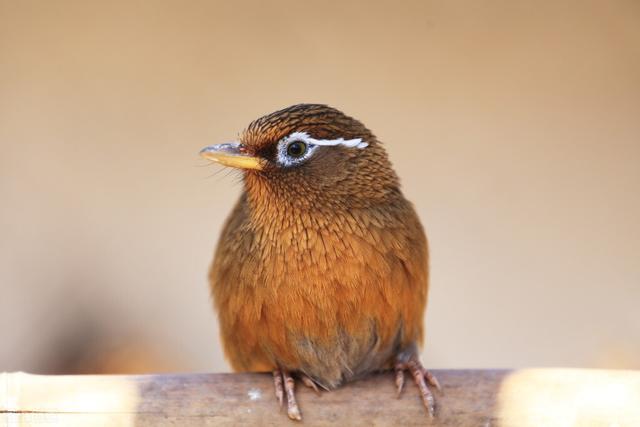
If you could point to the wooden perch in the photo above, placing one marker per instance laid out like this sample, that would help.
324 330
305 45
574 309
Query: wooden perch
530 397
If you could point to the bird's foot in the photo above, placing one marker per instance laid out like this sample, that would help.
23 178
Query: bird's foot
306 380
285 385
421 377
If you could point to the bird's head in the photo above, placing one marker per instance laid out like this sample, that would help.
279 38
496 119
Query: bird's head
309 154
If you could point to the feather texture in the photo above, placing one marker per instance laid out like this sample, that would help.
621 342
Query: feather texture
322 269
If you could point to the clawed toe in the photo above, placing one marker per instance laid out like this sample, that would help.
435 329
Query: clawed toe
285 385
310 383
421 377
399 370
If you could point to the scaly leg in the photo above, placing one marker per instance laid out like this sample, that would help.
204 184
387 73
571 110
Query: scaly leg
281 376
277 382
421 377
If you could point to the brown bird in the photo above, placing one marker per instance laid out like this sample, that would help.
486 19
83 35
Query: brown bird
321 271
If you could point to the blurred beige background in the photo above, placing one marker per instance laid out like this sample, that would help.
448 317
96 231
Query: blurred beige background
515 127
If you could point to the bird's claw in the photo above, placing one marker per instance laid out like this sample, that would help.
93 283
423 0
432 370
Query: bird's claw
421 377
285 385
399 369
310 383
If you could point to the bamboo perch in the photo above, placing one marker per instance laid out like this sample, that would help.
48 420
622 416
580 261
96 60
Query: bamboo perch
530 397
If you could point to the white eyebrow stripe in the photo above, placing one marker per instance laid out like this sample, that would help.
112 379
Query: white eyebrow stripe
351 143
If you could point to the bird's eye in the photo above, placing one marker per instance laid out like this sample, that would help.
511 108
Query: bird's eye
296 149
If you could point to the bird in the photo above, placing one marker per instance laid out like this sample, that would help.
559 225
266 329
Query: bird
321 270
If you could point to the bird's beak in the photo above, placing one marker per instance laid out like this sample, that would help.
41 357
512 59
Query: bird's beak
229 154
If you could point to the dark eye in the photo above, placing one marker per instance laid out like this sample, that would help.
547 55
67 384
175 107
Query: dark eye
296 149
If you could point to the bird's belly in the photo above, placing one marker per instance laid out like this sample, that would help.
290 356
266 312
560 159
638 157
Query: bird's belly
331 338
333 314
344 356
